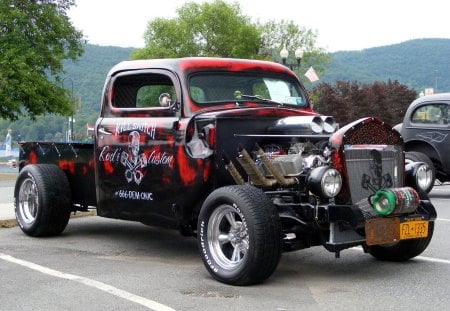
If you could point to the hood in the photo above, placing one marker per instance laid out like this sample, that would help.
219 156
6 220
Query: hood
255 112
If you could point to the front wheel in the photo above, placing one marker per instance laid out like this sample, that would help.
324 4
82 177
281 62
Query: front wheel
239 235
406 249
42 200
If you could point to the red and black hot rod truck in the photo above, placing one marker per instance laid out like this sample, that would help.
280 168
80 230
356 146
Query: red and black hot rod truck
230 151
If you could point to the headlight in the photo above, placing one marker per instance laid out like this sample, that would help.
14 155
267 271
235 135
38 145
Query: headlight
424 176
324 182
419 176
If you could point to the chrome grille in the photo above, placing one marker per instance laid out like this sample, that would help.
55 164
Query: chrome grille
372 167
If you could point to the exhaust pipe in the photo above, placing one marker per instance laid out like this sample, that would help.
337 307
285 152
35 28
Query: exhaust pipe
273 170
229 166
253 172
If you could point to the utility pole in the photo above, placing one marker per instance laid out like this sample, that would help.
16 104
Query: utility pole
70 128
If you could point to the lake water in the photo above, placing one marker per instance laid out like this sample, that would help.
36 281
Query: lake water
4 168
7 169
14 153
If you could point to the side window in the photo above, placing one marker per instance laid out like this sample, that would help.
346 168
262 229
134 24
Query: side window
431 114
148 95
141 90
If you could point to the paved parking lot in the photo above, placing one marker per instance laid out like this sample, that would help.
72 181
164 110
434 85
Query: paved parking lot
103 264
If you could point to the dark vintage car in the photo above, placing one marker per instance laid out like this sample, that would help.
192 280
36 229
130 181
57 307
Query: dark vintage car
425 130
230 151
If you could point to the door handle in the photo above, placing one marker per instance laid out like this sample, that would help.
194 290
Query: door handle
103 131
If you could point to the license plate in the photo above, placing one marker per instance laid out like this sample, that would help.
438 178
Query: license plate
413 229
390 230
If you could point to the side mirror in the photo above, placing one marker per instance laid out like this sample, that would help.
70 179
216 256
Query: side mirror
165 100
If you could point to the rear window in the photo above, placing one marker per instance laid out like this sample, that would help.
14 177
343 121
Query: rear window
141 91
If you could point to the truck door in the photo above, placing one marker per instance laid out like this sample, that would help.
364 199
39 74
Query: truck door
134 150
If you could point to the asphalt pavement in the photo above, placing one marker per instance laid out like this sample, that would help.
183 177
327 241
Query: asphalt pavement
6 198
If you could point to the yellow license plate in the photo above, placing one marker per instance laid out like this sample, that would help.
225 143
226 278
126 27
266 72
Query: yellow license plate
390 230
413 229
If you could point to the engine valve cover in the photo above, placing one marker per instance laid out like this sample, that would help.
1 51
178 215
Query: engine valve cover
289 165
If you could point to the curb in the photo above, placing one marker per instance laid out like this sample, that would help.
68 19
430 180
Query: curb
10 223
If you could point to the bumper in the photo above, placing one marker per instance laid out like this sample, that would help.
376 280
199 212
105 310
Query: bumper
350 226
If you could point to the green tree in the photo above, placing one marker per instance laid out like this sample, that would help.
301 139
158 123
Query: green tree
208 29
276 35
35 37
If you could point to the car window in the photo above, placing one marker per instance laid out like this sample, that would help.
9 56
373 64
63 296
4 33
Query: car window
210 88
141 90
435 113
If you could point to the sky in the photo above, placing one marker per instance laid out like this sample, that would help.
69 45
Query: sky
340 24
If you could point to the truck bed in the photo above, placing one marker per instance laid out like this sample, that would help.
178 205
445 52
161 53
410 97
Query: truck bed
75 159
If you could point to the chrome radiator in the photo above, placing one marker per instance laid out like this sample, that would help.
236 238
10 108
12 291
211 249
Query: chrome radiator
372 167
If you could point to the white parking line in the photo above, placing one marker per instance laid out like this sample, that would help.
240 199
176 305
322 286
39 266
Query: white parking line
150 304
430 259
443 219
434 259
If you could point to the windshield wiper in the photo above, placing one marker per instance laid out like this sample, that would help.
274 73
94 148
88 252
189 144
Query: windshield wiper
240 96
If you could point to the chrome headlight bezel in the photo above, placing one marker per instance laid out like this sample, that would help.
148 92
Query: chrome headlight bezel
325 182
419 176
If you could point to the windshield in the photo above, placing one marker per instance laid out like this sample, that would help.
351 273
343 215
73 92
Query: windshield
210 88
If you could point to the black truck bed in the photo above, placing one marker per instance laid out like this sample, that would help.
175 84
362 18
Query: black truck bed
75 159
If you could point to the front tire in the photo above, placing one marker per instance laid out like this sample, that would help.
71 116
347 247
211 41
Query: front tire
406 249
239 235
42 200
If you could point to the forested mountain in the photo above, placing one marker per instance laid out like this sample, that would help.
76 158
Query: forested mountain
418 64
89 72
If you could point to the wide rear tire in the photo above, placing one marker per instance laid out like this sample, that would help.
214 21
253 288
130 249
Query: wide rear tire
42 200
239 235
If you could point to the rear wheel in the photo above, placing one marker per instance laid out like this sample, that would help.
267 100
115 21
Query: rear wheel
239 235
415 156
42 200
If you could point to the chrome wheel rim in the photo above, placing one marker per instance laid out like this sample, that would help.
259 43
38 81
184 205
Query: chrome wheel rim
228 237
28 203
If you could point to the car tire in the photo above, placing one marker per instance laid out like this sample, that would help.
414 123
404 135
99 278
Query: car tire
42 200
405 249
239 235
415 156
